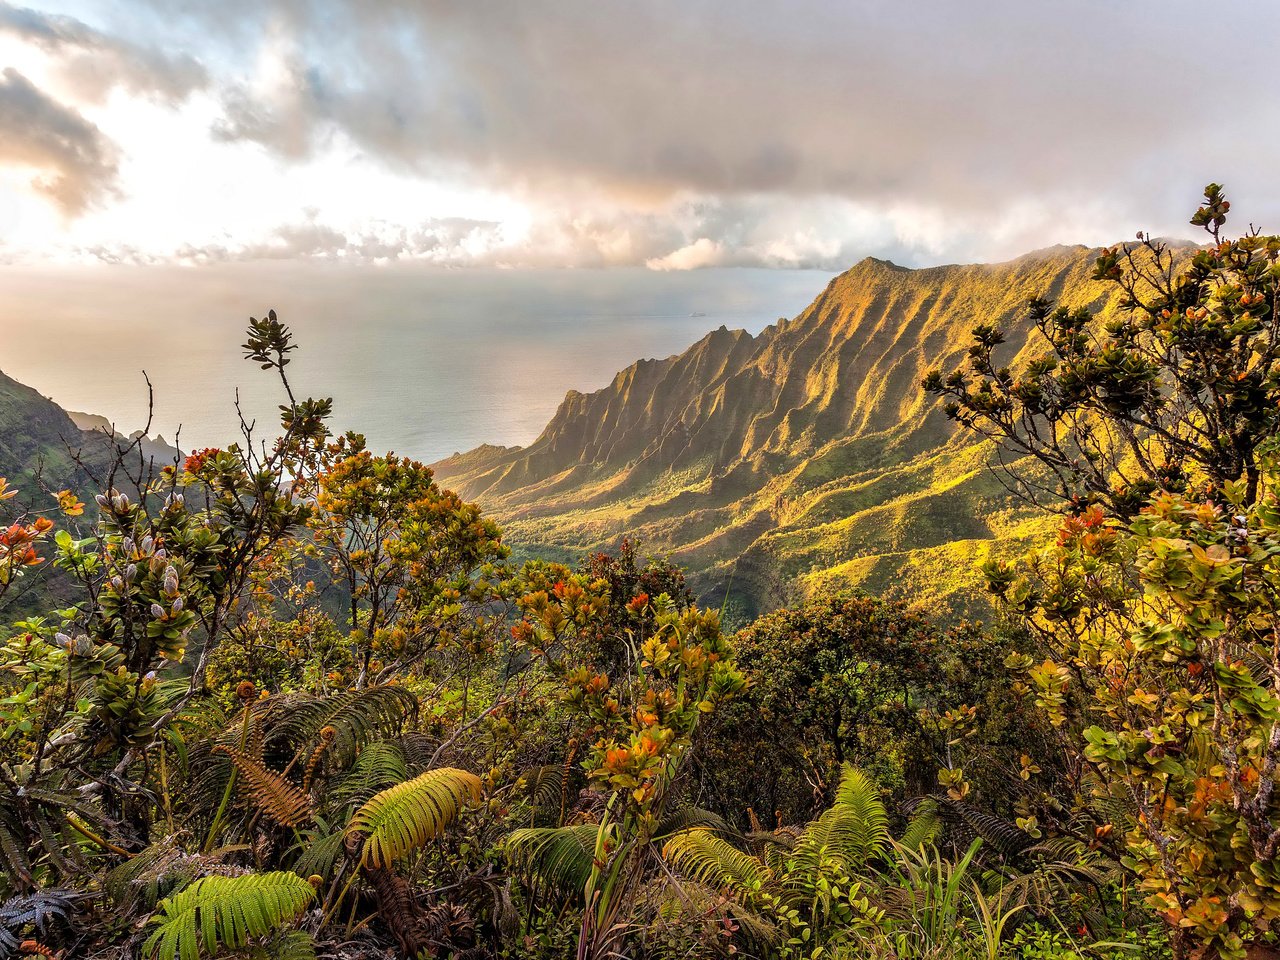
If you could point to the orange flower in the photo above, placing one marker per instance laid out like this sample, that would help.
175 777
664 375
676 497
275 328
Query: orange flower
196 462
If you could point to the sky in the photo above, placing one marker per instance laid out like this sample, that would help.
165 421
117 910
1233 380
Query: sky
649 134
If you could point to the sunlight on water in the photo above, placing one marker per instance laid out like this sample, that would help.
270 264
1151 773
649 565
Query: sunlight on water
422 362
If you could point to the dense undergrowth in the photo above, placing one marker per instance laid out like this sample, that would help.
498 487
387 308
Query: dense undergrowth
303 703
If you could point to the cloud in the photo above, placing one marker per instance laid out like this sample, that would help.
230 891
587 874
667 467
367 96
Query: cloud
701 253
679 133
823 233
959 106
92 62
76 165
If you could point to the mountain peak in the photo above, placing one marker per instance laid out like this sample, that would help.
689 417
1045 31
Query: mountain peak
795 459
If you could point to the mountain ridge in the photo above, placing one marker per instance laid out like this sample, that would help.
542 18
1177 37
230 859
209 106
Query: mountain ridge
803 457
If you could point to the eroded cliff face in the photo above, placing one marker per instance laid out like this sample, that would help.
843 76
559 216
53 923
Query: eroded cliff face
803 458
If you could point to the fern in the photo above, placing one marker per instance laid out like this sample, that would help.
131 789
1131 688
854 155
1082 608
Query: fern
690 818
318 851
140 882
404 817
1006 838
923 827
294 945
282 801
853 831
217 912
38 911
558 858
705 858
356 716
755 936
378 766
547 788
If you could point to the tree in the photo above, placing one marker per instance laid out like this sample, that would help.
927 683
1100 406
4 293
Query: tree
163 571
631 586
1177 392
852 679
1163 642
408 554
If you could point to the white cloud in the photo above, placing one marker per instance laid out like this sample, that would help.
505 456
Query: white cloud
591 133
703 252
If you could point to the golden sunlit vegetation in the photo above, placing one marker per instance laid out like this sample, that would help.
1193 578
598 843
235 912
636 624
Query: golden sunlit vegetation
799 461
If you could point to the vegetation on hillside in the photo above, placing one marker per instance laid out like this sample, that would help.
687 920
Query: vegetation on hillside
302 702
799 461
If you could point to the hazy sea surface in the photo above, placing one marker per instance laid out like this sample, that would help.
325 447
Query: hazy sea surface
424 362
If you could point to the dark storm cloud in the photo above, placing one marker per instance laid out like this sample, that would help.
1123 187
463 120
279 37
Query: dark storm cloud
76 164
966 106
94 62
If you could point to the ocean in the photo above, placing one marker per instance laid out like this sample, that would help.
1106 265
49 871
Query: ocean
423 361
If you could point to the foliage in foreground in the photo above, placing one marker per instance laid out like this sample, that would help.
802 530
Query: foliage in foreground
305 705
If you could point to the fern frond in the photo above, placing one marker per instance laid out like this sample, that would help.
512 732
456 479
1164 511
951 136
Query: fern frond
1006 838
377 766
558 858
852 831
755 936
320 852
144 879
38 911
705 858
418 749
225 912
356 716
546 789
404 817
294 945
923 826
276 797
690 818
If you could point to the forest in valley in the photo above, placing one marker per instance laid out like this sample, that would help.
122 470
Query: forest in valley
293 698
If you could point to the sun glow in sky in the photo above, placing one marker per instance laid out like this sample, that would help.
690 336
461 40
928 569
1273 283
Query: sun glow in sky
667 135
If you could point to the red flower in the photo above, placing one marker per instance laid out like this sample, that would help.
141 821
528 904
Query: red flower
196 462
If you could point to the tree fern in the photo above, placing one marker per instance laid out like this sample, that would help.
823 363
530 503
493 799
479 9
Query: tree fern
404 817
140 882
356 716
38 911
1004 837
319 852
293 945
276 797
684 818
688 902
547 788
923 826
226 912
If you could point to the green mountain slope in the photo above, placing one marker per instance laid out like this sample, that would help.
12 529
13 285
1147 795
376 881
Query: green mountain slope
805 458
39 442
36 436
